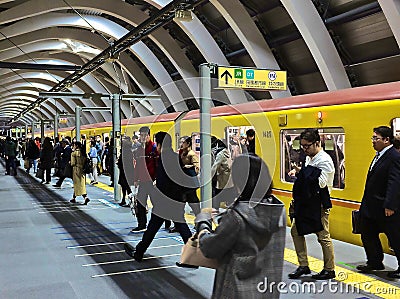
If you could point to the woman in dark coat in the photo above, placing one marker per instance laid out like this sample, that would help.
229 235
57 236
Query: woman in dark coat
125 165
32 154
46 159
250 237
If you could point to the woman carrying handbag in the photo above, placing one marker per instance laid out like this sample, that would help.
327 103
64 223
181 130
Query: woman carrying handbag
249 240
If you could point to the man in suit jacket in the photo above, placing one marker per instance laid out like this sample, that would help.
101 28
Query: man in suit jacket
380 206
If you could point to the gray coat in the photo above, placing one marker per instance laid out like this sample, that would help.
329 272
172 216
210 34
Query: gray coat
249 243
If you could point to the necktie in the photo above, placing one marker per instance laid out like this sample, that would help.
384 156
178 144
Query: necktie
375 160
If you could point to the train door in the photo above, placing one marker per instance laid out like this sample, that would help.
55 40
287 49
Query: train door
332 141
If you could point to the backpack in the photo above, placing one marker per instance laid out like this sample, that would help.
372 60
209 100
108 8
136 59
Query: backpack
87 166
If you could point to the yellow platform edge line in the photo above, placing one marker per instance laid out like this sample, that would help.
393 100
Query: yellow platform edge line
353 280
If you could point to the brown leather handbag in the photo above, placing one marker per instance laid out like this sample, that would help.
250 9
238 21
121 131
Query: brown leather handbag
192 256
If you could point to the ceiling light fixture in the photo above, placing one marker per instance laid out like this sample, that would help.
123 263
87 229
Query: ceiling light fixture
183 15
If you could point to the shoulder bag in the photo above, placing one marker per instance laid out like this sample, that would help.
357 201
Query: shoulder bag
68 171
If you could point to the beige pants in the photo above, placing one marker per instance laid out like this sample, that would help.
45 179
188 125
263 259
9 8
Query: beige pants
324 239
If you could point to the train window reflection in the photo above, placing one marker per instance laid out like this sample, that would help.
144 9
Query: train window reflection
332 141
237 140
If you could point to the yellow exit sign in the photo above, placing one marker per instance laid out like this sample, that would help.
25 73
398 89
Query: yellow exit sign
237 77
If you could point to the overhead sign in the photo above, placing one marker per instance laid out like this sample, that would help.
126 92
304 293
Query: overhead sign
62 120
14 130
240 77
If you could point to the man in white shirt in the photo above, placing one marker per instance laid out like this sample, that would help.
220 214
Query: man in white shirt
312 202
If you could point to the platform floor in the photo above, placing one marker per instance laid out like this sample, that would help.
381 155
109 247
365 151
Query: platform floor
50 248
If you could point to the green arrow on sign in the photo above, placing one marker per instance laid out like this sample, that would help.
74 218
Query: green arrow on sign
226 74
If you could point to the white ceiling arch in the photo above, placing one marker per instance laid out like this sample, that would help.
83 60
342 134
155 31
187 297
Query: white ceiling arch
316 36
44 87
391 9
109 28
207 46
44 78
33 76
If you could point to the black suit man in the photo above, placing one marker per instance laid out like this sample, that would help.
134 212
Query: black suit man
380 206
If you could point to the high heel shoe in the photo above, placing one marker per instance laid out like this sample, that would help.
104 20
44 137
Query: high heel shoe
86 201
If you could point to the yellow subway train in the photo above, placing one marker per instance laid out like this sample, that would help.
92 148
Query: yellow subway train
345 120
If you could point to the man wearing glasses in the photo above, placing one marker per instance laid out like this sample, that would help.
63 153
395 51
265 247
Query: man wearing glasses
381 202
312 204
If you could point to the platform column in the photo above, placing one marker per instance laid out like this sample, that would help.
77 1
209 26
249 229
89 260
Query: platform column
205 135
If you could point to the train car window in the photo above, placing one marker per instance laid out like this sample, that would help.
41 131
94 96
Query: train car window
236 139
332 141
396 126
196 142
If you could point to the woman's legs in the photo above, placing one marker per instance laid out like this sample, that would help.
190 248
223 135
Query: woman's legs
48 175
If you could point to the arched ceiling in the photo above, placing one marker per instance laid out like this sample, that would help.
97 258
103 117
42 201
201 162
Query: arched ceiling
322 44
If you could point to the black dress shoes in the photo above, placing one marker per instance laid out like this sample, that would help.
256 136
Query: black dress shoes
324 274
369 268
394 274
130 250
299 272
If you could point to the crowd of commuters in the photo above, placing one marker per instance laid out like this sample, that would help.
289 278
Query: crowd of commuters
169 179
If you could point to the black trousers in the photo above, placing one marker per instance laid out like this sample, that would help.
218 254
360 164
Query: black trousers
61 179
155 224
126 189
370 230
191 198
10 163
145 189
47 171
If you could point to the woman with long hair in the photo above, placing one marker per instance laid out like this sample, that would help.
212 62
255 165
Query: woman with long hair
250 237
189 162
78 158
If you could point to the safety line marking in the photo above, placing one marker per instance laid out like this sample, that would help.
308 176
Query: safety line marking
109 203
82 225
71 207
134 271
119 251
103 186
62 205
80 209
130 260
92 230
100 236
113 243
360 281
